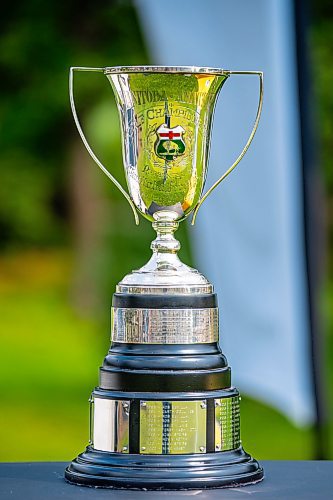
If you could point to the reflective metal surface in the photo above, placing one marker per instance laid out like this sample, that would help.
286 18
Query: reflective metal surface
172 427
86 143
110 425
165 69
91 419
227 424
165 114
166 124
165 271
164 326
166 119
160 290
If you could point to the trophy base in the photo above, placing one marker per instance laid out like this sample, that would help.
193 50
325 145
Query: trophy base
159 472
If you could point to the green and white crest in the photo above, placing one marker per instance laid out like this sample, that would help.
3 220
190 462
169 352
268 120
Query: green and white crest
170 142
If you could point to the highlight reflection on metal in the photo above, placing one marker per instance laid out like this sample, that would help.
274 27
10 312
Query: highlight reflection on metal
91 419
111 425
160 290
164 326
166 116
227 424
172 427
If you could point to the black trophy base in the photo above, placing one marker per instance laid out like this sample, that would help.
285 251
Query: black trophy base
163 472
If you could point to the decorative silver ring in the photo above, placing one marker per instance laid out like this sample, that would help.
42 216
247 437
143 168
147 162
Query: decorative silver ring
164 326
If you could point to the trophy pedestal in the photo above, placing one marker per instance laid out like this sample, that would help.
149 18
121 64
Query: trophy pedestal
148 472
165 415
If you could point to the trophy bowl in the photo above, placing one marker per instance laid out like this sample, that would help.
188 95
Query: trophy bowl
165 414
166 123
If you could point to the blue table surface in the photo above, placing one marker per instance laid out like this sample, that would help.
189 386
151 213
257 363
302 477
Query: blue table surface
283 480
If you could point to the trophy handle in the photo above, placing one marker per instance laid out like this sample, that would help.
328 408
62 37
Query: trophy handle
247 145
85 142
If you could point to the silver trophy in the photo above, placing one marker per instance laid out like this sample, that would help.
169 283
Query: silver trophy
165 415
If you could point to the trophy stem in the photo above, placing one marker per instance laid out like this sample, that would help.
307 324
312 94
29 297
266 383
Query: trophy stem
165 241
164 270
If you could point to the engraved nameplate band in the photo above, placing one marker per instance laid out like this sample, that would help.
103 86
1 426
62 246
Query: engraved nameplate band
164 326
166 427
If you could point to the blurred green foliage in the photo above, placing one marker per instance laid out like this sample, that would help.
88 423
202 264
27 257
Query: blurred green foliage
321 52
51 349
39 42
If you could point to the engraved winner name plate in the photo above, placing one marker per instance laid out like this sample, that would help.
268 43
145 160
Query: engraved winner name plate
172 427
227 424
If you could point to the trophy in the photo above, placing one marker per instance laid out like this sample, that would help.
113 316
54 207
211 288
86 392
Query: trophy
165 414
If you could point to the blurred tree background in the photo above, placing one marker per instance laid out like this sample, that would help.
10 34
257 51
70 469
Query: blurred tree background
321 53
67 235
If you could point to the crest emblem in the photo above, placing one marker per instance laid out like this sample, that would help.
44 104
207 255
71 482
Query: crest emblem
170 142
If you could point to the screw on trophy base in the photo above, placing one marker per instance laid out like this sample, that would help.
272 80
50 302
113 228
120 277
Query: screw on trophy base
165 415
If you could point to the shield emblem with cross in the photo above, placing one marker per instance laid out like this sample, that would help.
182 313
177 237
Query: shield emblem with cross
170 142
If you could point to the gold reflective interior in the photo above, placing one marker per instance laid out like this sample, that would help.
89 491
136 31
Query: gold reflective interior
166 124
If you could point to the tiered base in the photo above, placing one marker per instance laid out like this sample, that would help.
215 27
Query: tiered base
163 472
165 415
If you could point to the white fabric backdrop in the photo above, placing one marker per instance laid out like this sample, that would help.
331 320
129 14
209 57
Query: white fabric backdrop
248 238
